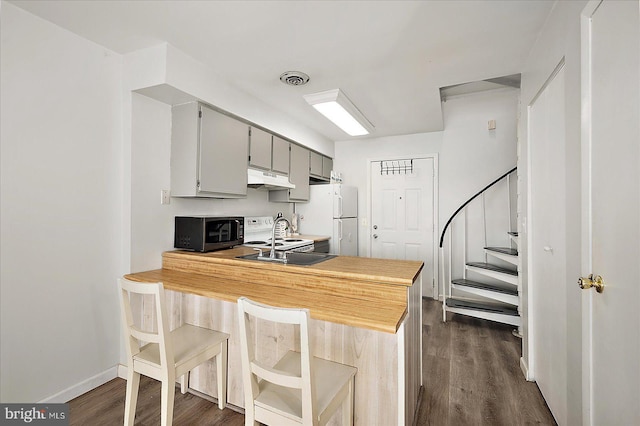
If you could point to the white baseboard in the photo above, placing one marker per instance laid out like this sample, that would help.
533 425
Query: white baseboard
122 371
82 387
525 370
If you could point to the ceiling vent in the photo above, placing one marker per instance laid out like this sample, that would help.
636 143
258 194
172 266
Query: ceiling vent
294 78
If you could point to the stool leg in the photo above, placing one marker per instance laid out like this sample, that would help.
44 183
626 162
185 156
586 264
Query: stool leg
166 403
221 365
347 407
131 399
184 382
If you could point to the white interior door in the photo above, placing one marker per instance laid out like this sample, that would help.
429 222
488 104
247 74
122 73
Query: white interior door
403 214
611 212
547 243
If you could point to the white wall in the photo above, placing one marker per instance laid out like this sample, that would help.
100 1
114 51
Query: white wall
469 155
559 38
60 210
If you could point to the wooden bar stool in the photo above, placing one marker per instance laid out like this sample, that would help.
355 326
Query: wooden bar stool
166 354
298 389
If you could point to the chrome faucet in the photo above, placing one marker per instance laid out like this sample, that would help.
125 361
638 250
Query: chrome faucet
279 218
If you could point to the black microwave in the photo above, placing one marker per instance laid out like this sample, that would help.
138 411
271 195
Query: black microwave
208 233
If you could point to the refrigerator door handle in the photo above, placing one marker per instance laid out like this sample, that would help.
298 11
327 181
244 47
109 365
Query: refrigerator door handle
340 207
339 230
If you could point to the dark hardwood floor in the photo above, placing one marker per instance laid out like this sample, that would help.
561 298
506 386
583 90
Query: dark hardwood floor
472 376
104 406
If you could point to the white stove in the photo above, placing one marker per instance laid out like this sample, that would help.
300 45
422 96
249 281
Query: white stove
257 234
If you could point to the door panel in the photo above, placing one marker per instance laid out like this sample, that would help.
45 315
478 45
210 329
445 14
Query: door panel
611 190
389 251
388 220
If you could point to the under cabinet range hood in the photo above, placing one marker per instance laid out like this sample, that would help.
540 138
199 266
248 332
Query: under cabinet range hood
261 179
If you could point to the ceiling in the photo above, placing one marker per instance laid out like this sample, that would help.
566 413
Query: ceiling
390 57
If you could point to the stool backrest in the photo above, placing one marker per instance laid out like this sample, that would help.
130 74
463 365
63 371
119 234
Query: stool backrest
252 369
133 333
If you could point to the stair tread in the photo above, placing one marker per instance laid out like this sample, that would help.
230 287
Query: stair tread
515 234
477 306
492 267
503 250
485 286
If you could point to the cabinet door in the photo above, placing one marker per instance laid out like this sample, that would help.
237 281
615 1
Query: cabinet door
327 166
224 146
280 156
299 173
315 164
260 149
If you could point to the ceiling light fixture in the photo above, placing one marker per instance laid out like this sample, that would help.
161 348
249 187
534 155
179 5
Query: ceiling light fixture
337 107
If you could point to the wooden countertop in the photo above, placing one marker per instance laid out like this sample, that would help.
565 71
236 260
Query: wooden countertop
356 291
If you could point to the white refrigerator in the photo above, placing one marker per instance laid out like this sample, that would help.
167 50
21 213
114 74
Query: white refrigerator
332 211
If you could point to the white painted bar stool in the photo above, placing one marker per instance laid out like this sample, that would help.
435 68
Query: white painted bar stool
299 389
166 354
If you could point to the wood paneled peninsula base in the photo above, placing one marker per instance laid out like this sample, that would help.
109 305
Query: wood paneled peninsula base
365 312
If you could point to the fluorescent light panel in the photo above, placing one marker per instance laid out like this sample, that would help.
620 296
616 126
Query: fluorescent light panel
335 105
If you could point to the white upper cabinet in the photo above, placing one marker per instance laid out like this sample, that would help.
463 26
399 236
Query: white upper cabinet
209 153
268 152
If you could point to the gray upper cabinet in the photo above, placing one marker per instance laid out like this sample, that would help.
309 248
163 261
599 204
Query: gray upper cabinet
208 153
298 175
260 149
327 166
315 164
280 162
320 167
268 152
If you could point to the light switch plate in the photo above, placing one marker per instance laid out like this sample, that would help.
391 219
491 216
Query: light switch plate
165 196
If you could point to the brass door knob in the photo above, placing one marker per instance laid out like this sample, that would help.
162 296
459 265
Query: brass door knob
592 281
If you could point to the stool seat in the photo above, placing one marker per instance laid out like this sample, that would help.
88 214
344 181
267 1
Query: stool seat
329 378
192 346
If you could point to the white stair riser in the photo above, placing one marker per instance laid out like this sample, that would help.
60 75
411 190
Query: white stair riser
506 257
506 298
508 278
501 318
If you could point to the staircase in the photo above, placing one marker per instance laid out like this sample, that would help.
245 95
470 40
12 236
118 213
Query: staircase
487 289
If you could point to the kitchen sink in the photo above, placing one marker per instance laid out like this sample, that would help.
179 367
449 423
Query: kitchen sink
302 259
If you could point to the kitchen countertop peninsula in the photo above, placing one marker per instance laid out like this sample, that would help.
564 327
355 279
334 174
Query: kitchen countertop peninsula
364 312
354 291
